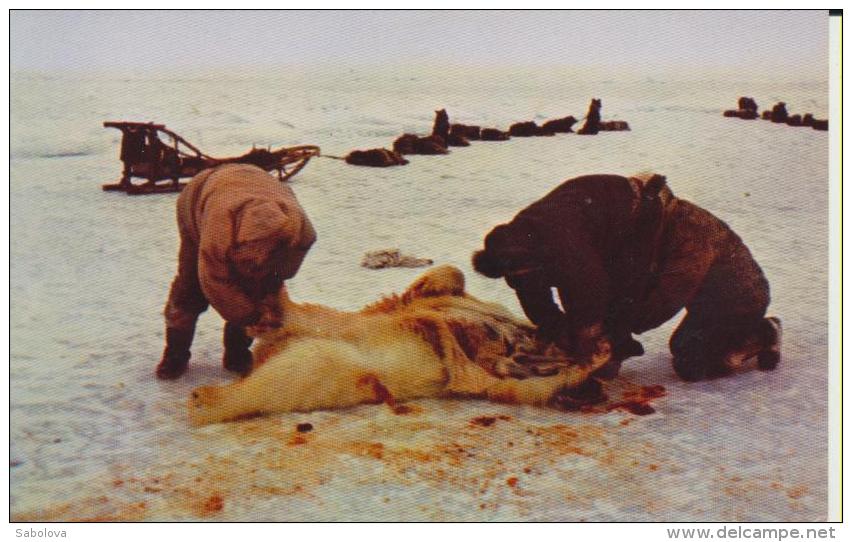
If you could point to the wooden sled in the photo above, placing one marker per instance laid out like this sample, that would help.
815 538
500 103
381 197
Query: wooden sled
146 156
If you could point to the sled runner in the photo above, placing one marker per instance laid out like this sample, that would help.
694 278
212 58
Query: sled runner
145 155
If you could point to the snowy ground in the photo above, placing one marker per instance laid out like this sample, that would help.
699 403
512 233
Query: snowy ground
94 435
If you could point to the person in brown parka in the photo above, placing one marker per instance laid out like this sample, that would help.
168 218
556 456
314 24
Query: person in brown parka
625 255
242 234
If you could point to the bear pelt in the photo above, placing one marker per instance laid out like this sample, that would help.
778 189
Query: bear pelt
414 144
375 158
434 340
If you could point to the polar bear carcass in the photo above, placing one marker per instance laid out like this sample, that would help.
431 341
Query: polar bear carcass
434 340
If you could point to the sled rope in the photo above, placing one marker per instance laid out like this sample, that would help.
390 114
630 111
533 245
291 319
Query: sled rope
333 157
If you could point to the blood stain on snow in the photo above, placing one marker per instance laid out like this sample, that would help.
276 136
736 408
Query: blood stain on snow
214 504
638 401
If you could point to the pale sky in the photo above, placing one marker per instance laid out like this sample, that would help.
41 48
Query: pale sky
151 40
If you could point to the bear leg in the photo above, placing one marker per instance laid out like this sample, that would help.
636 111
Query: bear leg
440 280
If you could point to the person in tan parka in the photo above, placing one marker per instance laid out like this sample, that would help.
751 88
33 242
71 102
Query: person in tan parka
242 234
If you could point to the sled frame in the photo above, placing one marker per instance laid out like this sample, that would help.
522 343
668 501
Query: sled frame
161 165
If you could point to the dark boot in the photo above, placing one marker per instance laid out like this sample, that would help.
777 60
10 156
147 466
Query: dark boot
695 367
690 368
176 355
770 356
237 354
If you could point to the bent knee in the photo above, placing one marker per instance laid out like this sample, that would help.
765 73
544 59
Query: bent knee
183 315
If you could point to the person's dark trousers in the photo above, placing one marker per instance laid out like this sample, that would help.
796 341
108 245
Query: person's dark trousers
701 347
237 356
186 302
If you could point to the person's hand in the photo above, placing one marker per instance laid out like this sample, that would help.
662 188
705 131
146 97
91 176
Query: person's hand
585 345
558 331
271 316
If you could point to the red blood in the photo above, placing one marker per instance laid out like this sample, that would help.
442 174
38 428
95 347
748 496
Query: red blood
214 504
652 392
297 440
639 408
